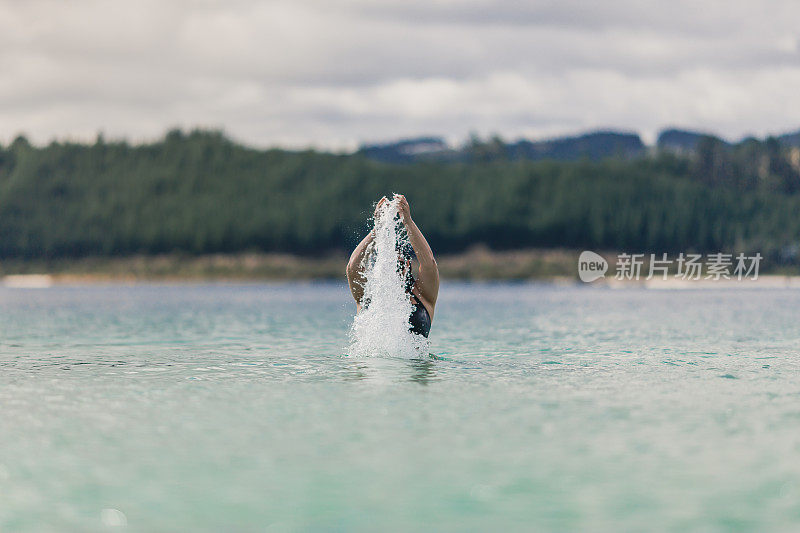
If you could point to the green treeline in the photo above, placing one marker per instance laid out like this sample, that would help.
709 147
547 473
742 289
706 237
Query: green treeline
199 192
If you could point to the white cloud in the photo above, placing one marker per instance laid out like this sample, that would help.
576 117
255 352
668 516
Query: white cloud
338 73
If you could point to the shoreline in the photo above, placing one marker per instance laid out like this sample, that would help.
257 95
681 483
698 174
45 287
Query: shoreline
556 266
475 264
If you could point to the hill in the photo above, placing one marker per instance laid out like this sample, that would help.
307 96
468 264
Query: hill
595 146
199 192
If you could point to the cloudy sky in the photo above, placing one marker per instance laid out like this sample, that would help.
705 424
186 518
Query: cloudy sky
335 73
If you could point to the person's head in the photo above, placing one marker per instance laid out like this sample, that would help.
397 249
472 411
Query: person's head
405 254
408 251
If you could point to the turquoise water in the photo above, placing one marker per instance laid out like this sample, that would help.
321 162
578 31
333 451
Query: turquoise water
230 407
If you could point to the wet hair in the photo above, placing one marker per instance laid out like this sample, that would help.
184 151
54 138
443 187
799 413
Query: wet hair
407 251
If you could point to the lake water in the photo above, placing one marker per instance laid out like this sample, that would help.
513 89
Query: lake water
231 407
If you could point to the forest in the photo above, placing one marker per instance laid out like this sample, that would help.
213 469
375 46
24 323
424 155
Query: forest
199 192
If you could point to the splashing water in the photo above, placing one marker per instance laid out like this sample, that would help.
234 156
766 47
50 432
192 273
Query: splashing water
381 328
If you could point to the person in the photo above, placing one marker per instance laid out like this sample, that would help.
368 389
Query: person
422 291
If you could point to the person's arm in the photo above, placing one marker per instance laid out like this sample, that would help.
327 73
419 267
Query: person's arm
428 269
355 268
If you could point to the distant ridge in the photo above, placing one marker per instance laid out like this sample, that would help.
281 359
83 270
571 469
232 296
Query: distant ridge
408 150
790 139
682 141
593 145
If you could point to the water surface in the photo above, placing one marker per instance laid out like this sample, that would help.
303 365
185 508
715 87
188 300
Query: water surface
220 407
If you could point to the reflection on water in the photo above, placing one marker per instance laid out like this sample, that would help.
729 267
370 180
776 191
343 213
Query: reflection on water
561 409
423 371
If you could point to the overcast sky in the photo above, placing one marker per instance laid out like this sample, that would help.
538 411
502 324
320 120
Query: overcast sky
335 73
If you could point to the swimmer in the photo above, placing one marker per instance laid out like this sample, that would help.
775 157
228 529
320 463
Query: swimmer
421 291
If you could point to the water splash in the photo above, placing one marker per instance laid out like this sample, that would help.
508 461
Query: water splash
381 328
